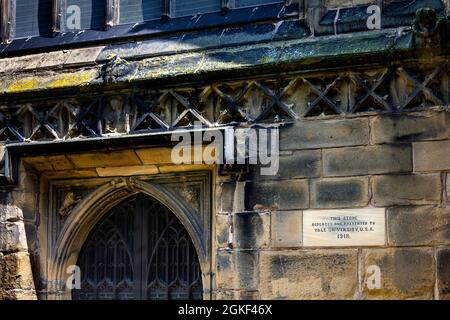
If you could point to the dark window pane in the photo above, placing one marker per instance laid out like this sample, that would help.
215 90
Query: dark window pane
139 10
33 18
192 7
92 14
253 3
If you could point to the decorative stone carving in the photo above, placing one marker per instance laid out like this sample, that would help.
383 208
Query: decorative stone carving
116 181
132 183
116 68
113 116
309 95
192 195
426 28
70 201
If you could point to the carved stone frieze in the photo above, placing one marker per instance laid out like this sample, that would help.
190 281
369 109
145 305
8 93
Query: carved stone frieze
384 89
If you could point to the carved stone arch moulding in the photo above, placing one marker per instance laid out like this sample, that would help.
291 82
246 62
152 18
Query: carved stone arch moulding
85 215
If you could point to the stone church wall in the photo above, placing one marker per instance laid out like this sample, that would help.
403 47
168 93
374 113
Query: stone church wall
397 162
18 240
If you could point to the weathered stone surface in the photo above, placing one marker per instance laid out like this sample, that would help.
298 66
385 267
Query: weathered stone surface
100 159
367 160
183 168
325 134
127 171
290 54
309 274
49 80
299 164
406 189
24 278
12 237
275 195
49 163
228 36
443 272
54 59
431 125
25 295
27 201
286 229
432 156
226 196
367 42
10 213
7 274
60 162
155 155
232 196
80 173
31 235
83 56
448 187
223 225
237 295
347 3
40 163
406 273
339 192
251 230
15 275
27 62
237 269
417 226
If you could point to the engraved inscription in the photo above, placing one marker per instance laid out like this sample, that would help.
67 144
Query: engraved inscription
347 227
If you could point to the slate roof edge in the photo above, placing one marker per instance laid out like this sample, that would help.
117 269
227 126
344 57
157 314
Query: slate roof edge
279 57
341 19
154 28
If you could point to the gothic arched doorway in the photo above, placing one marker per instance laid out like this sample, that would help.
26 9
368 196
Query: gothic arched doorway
139 250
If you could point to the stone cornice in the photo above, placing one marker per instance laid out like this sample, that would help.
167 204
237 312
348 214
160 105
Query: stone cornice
87 67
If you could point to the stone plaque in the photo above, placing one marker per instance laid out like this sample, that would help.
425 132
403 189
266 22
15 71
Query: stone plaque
346 227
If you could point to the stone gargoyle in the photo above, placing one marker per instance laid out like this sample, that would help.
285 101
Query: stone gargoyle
116 68
70 201
426 29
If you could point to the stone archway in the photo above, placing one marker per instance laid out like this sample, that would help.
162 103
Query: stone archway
90 211
139 251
